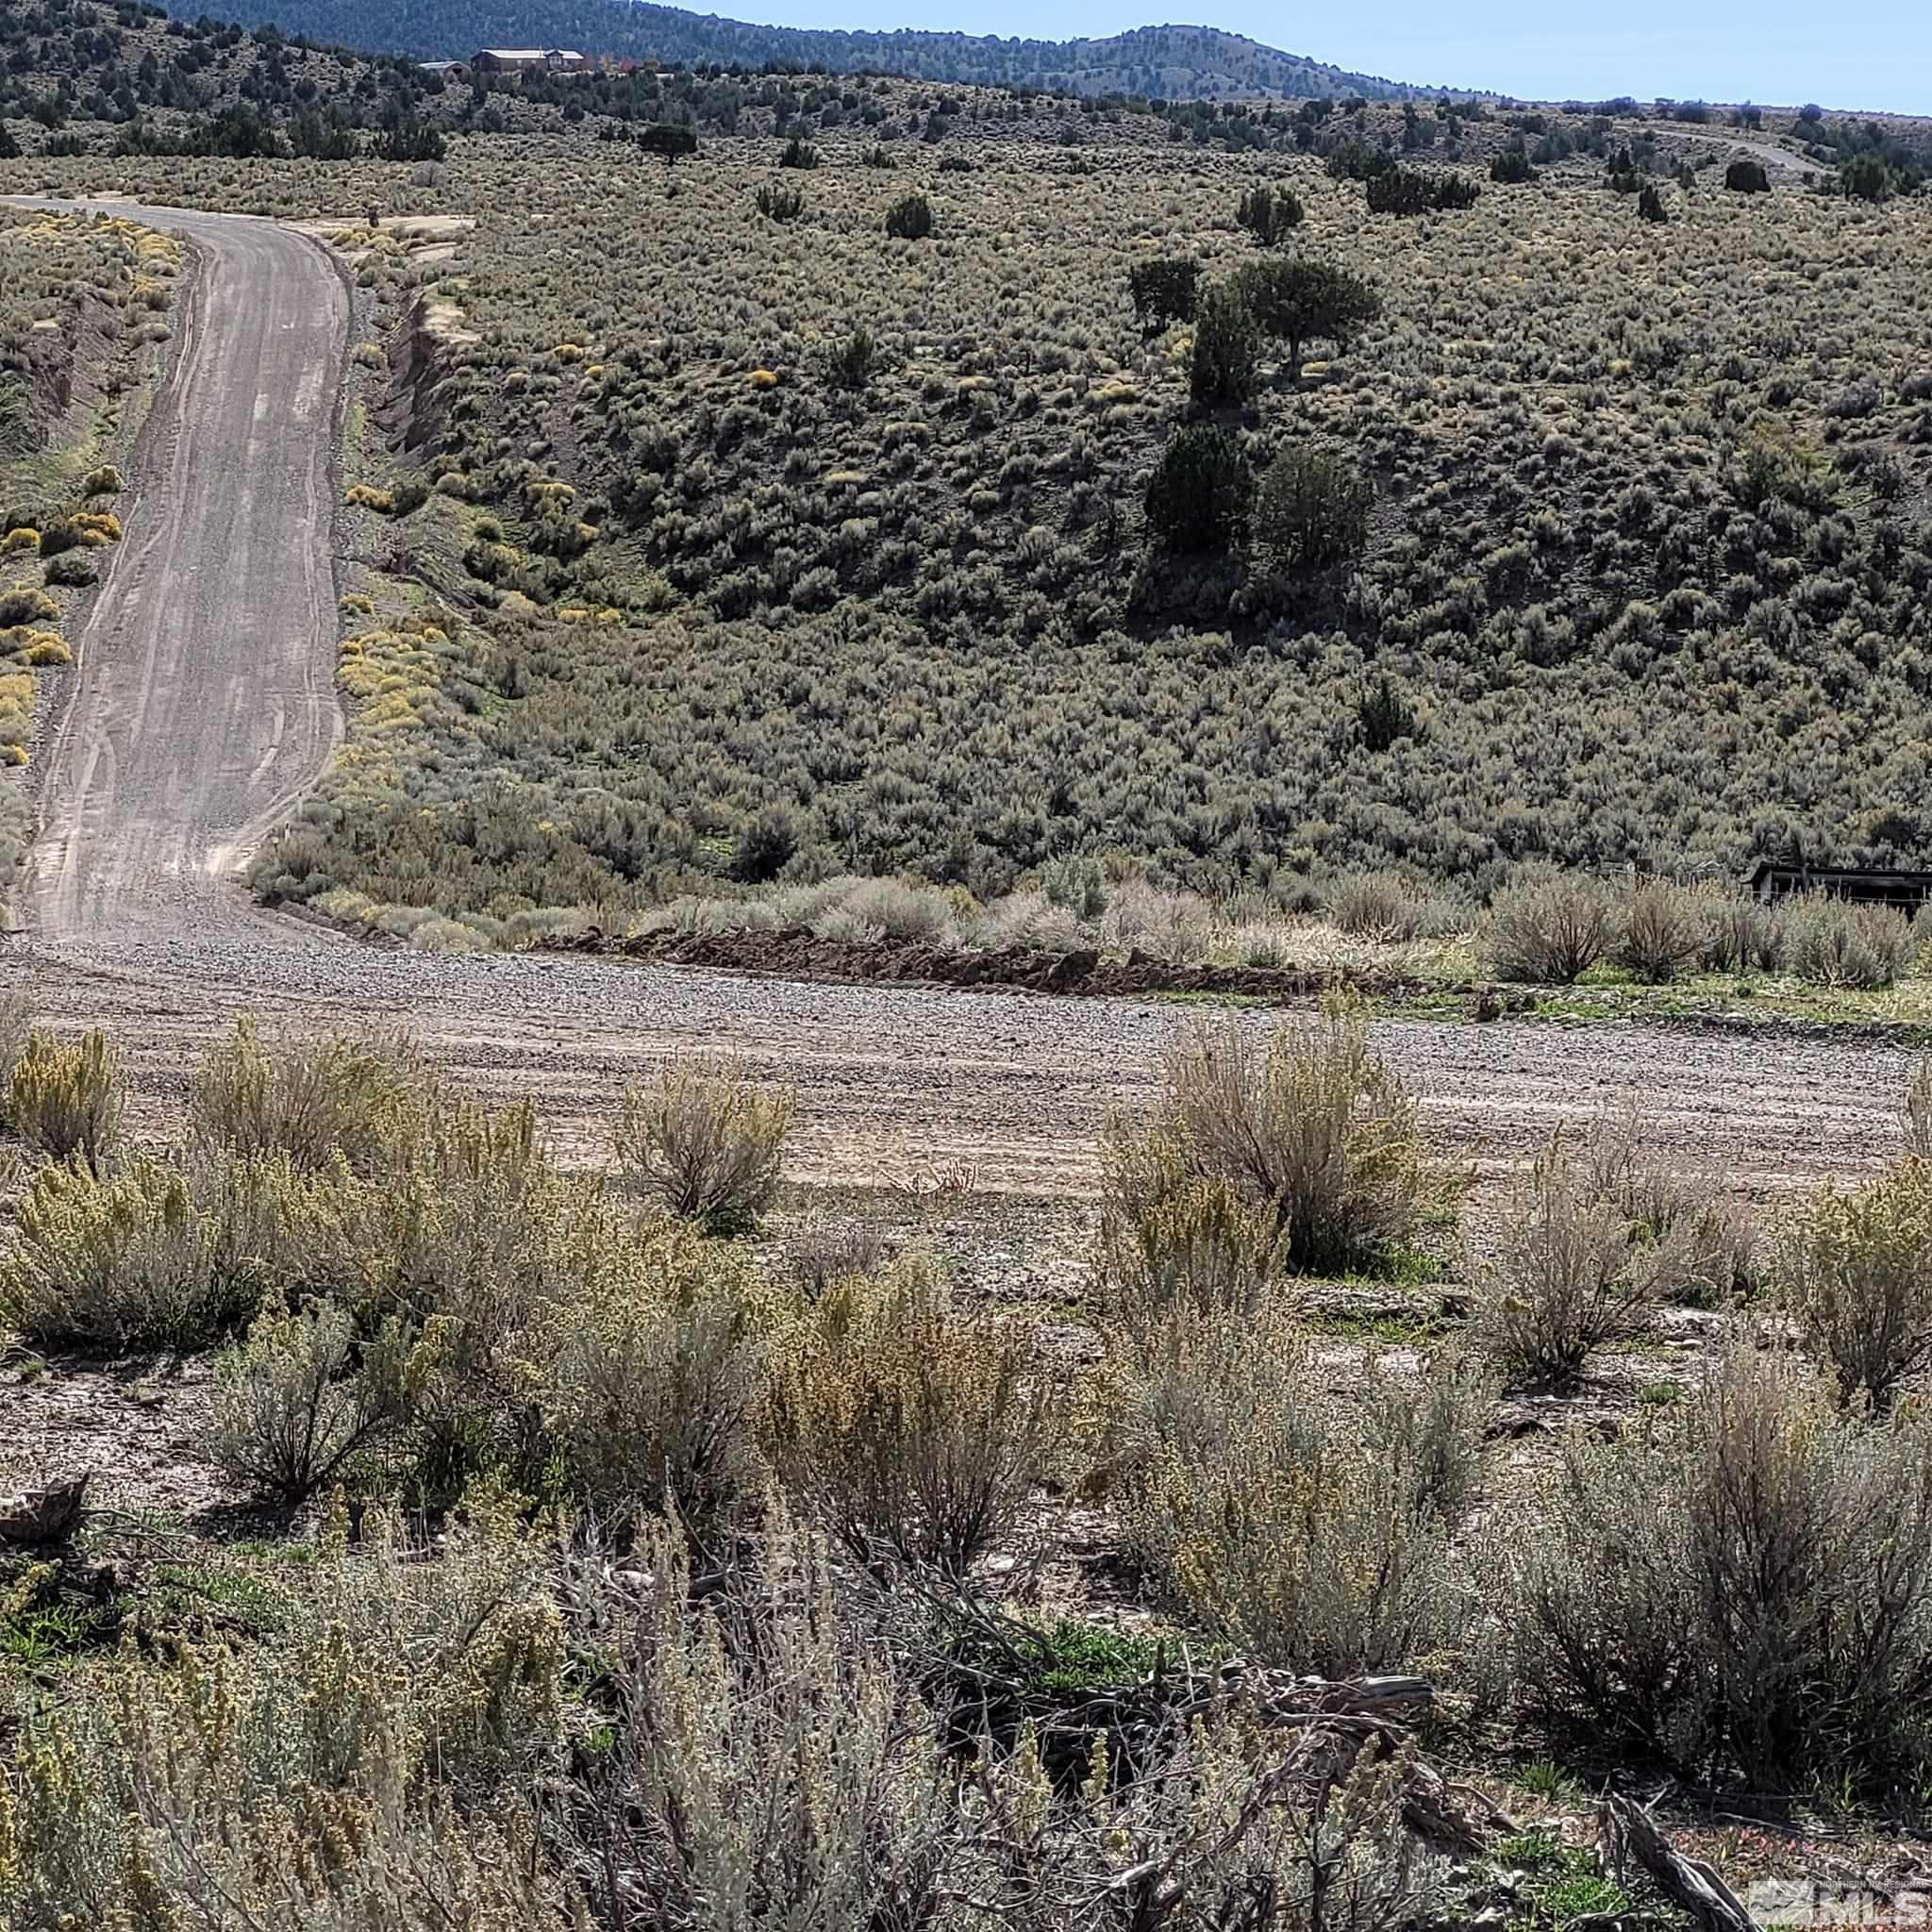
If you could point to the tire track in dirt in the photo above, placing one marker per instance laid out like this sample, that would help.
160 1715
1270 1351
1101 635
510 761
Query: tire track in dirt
204 704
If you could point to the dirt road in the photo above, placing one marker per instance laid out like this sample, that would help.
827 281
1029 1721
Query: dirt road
1778 160
205 698
204 702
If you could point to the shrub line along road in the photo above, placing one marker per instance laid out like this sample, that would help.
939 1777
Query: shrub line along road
204 704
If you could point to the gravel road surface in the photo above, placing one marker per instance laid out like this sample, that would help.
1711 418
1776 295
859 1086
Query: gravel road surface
1776 159
204 702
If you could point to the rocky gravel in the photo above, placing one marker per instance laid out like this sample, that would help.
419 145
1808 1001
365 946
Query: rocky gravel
899 1080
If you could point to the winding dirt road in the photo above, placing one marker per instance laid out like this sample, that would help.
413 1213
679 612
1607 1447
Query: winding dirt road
204 702
1778 160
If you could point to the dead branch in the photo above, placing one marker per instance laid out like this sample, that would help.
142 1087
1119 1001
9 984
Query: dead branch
43 1516
1628 1834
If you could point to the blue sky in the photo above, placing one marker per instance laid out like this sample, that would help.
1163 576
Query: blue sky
1872 54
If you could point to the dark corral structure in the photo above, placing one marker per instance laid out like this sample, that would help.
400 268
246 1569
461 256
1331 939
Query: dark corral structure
1778 879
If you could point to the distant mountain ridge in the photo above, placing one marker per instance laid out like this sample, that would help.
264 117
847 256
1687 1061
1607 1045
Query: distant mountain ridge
1170 63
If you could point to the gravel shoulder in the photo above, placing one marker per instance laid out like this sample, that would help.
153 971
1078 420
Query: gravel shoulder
206 704
1010 1090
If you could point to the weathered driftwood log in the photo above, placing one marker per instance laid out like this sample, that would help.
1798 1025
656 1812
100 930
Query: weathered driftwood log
1332 1720
1455 1820
1376 1697
43 1516
1133 1717
1627 1835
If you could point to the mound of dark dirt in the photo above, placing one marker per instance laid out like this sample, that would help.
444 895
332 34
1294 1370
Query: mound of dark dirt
1083 973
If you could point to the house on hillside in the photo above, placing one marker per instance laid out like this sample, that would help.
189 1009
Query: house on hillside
528 60
448 70
1907 891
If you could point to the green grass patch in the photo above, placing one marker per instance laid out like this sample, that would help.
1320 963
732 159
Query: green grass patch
1550 1781
1902 1011
1059 1659
1564 1882
1398 1330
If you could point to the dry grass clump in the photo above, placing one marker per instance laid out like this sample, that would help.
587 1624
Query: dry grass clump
1550 930
1663 930
1915 1115
1717 1241
1834 943
898 911
1577 1268
913 1427
66 1102
828 1251
648 1378
297 1402
357 1767
1201 1246
464 1246
16 1030
704 1144
347 1099
1854 1271
1746 935
1313 1128
1744 1583
1372 906
1383 907
152 1256
1254 1495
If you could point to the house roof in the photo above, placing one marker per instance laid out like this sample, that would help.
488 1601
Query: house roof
1772 879
530 52
1836 875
